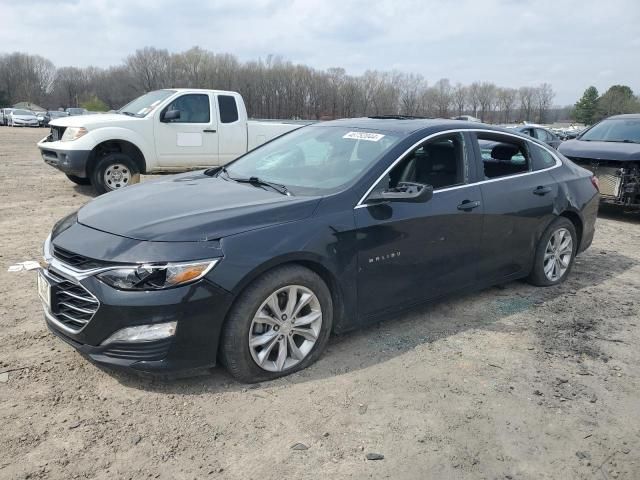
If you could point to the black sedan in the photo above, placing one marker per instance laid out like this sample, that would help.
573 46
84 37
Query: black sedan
542 134
331 227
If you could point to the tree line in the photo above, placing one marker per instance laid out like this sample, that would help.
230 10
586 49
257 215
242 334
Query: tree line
593 107
271 87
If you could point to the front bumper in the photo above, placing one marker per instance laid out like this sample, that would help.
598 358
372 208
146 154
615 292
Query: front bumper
21 123
71 162
199 310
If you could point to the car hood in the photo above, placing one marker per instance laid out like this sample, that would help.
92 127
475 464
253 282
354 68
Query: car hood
94 120
191 207
617 151
24 117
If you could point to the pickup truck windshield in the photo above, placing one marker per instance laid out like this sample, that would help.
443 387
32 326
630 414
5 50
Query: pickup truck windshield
141 106
614 130
315 159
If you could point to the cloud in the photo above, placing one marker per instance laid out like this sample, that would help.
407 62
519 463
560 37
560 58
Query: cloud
509 42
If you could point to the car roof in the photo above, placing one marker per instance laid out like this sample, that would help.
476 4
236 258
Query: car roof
406 125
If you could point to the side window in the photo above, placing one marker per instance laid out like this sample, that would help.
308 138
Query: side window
440 162
540 157
542 135
193 107
503 156
228 108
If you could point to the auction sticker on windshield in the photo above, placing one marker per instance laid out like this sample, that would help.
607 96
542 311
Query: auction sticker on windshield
370 137
44 290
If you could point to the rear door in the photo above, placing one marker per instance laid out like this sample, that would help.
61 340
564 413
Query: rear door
232 129
192 139
411 252
518 204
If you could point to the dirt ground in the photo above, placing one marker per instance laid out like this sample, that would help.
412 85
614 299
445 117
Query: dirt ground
514 382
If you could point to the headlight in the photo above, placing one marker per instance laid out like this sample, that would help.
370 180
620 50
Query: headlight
73 133
157 277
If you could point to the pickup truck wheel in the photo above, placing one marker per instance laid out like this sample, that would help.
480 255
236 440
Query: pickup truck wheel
79 180
278 325
114 171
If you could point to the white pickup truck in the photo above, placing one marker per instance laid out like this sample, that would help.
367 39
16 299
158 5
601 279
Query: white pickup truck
170 130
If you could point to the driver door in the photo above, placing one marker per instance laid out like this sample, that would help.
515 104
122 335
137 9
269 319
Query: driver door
192 139
412 252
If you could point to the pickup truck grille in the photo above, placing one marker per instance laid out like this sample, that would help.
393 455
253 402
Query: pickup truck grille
56 133
72 304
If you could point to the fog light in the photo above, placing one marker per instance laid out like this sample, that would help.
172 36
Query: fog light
143 333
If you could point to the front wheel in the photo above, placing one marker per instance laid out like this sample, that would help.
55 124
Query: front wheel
555 253
280 324
114 171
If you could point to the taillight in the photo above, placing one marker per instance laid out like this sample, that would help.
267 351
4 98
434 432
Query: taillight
595 182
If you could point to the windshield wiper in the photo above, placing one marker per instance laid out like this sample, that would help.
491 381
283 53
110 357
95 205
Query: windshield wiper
218 171
257 181
626 140
131 114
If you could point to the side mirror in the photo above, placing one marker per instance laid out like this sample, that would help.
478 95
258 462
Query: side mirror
170 115
405 192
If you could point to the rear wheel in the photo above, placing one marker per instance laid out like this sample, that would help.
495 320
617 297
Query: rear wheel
114 171
555 253
79 180
280 324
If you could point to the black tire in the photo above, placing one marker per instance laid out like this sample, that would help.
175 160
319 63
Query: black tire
105 163
235 353
79 180
538 276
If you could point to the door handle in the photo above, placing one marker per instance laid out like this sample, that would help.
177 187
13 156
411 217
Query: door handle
542 190
468 205
206 130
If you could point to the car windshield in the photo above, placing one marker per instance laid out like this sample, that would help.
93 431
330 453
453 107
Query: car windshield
614 130
22 112
141 106
315 159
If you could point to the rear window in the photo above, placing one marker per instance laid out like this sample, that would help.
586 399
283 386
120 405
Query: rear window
228 108
540 157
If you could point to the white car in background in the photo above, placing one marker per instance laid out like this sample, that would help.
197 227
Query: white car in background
22 118
170 130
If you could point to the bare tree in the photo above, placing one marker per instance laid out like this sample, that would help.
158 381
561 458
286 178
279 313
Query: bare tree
474 97
506 98
151 68
411 89
544 95
486 98
526 96
442 97
460 96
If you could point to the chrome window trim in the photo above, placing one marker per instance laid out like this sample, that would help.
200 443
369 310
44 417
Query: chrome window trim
360 203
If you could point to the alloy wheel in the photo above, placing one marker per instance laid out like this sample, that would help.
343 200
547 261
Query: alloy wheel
557 255
285 328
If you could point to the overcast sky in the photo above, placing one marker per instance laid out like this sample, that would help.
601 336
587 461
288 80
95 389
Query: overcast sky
570 44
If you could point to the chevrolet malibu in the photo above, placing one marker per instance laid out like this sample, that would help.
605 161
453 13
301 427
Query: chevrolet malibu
328 228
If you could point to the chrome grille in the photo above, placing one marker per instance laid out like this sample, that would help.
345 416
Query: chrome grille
71 303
